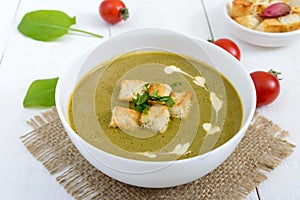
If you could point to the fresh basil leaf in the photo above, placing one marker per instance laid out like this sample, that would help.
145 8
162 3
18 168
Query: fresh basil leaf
138 108
41 93
142 99
170 102
134 100
164 98
48 25
147 85
146 109
155 94
154 98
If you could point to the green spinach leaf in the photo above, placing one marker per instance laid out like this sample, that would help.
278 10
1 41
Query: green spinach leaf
41 93
48 25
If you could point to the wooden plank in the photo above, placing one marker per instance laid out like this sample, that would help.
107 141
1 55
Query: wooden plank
284 181
186 18
7 14
25 60
253 195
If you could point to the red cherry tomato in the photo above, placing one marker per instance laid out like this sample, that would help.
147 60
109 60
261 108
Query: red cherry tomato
113 11
266 85
229 46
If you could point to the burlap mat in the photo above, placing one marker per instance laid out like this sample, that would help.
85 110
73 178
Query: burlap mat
260 151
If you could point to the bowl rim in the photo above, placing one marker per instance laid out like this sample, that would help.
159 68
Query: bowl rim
86 53
226 3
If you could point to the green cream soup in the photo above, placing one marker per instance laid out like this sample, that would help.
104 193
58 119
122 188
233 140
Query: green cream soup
209 123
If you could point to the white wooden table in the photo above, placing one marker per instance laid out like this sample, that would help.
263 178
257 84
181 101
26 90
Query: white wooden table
24 60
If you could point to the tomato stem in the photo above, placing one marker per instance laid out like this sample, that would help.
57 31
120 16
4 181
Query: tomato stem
275 73
211 40
124 13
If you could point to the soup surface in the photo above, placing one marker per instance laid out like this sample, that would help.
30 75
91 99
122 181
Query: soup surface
215 114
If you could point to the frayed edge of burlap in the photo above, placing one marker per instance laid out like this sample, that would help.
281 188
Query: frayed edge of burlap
233 179
59 156
269 141
40 145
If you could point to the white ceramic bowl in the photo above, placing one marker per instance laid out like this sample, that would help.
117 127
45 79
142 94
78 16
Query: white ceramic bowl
254 37
146 173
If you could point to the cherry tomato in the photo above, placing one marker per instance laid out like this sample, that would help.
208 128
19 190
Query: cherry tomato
266 85
229 46
113 11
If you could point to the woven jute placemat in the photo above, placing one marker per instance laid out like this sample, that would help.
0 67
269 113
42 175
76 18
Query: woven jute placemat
260 151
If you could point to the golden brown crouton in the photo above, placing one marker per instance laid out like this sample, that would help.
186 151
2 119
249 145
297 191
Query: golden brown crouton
124 118
270 25
183 102
249 21
290 22
295 10
157 118
162 89
240 8
258 9
129 89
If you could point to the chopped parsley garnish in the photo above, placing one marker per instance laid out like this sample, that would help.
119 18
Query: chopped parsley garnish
141 102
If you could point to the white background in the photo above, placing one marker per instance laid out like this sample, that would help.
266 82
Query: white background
24 60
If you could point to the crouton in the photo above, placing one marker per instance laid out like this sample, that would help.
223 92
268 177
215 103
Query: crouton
295 10
157 118
258 9
183 102
124 118
270 25
240 8
249 21
162 89
129 89
290 22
